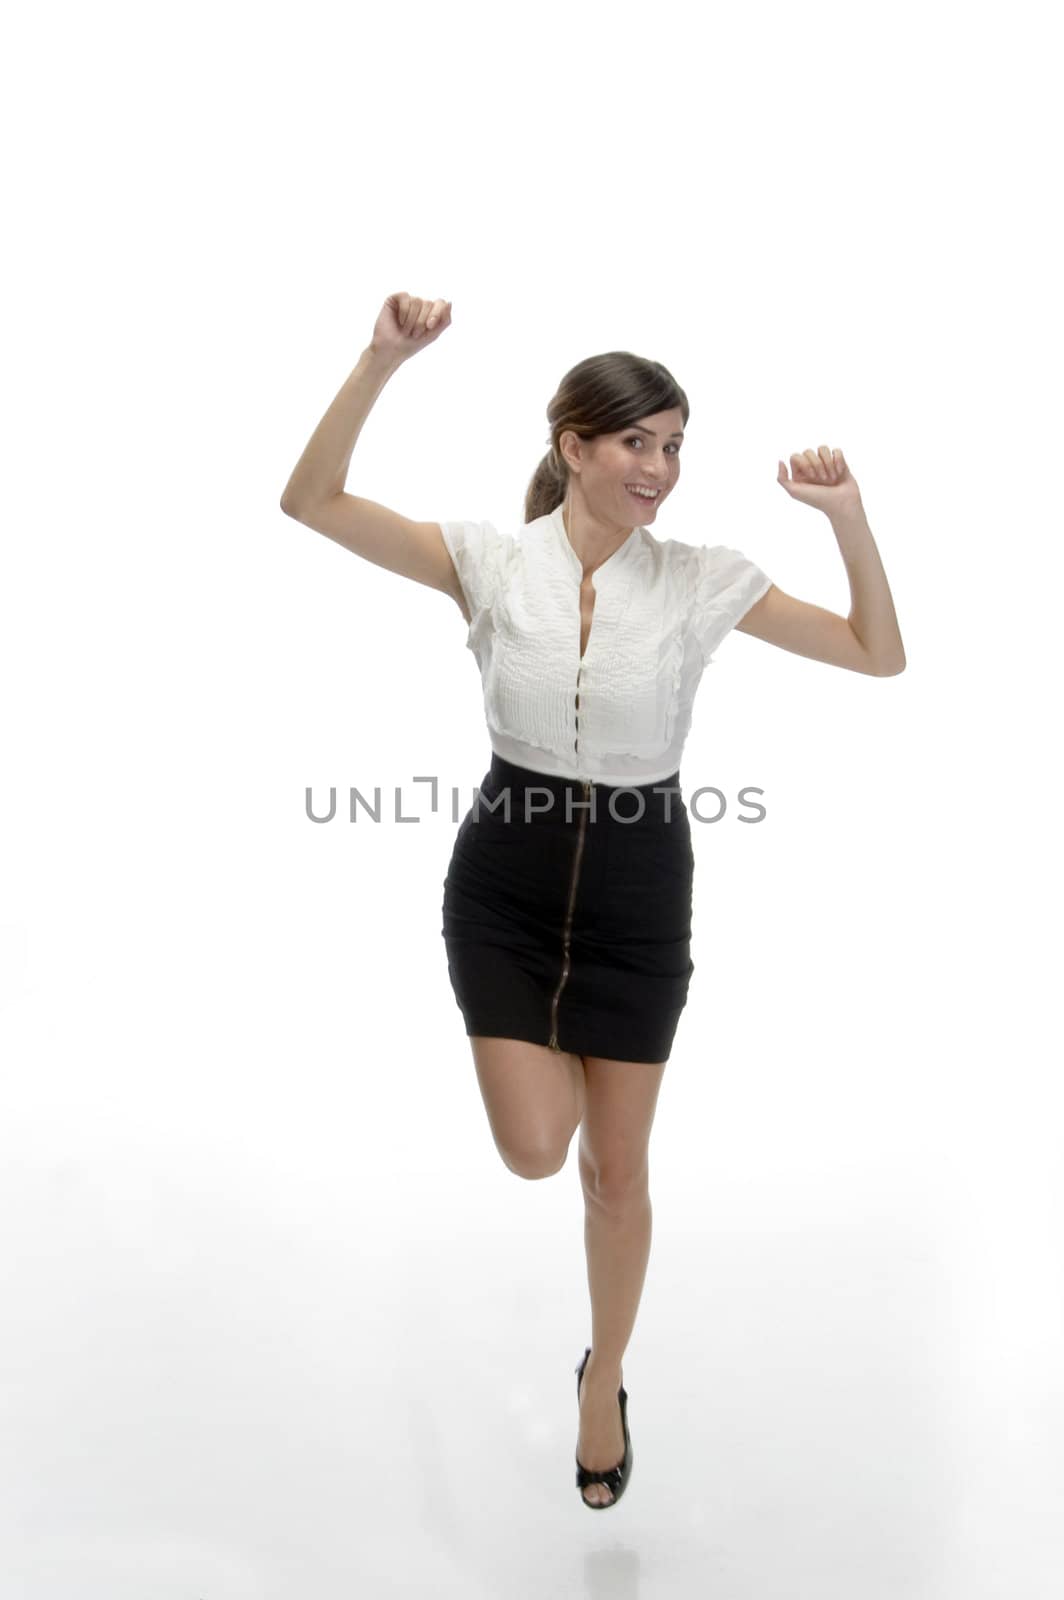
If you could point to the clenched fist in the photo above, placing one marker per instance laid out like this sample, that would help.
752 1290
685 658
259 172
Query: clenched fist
407 325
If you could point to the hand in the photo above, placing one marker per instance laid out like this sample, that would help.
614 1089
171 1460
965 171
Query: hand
402 329
821 479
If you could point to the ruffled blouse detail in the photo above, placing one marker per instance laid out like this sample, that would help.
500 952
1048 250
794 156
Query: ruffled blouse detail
661 609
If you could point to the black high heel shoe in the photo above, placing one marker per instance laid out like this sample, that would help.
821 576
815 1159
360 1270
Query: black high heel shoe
615 1478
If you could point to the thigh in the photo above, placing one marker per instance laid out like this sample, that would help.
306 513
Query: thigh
534 1098
621 1098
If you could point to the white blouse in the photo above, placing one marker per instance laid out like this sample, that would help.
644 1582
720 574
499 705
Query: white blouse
661 609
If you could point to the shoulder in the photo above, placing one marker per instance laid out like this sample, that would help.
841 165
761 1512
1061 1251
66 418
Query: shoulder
705 555
480 540
715 567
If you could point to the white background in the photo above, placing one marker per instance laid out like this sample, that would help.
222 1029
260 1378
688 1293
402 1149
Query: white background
276 1320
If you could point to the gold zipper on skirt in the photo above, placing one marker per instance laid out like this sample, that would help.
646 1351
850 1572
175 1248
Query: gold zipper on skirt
578 852
567 930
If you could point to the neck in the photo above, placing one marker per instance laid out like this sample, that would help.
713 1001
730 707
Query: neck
594 542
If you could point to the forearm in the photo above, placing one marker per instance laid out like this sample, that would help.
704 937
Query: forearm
321 470
872 616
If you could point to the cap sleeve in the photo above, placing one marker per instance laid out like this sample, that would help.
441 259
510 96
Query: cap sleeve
480 554
727 584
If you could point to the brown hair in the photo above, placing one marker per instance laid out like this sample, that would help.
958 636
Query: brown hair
600 395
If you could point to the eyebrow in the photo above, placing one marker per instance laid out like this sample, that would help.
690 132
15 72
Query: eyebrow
653 435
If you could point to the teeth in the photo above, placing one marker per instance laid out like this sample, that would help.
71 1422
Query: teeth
647 494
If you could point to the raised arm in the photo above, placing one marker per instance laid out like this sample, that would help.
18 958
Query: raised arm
314 493
868 640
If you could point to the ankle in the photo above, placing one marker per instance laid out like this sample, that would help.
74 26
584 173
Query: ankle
602 1375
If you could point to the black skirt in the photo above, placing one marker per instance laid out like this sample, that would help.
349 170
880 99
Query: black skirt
567 917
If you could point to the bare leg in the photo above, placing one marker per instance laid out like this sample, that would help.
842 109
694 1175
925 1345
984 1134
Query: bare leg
534 1098
618 1220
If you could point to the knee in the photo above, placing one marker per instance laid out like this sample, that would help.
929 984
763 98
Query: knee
534 1160
616 1185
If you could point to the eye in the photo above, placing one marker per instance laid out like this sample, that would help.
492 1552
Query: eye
635 439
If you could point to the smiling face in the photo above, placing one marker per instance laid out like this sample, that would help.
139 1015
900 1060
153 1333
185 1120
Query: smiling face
607 473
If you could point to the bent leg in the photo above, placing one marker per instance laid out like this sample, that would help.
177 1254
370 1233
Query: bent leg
534 1097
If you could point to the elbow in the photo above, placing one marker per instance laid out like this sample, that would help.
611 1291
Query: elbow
889 669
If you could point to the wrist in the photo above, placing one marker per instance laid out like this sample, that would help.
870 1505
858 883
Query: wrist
381 360
848 512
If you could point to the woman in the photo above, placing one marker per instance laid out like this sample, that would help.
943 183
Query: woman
567 903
